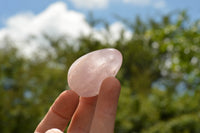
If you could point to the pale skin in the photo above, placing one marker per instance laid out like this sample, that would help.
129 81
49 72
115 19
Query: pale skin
88 115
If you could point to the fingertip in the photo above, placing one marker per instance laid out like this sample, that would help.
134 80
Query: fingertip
66 99
68 93
110 84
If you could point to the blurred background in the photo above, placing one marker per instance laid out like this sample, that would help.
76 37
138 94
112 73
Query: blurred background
160 75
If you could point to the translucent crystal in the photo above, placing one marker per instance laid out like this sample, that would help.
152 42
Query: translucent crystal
87 73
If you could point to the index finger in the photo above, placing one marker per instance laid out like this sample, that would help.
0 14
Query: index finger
60 112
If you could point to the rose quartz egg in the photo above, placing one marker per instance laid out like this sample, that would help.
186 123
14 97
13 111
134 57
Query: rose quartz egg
87 73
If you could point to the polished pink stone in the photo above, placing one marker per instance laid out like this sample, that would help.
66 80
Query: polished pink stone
87 73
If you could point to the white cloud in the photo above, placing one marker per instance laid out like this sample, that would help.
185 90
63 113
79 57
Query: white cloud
160 4
153 3
55 21
138 2
90 4
113 34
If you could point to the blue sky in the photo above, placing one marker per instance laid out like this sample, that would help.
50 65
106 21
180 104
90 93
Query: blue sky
21 20
104 9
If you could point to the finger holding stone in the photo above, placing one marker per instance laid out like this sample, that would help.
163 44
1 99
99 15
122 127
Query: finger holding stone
60 112
82 118
104 117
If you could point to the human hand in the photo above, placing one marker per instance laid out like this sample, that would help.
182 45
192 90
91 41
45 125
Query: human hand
88 115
